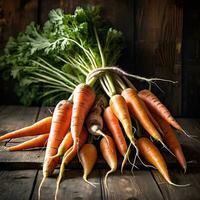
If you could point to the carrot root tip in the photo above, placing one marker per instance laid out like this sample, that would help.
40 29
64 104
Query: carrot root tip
40 187
177 185
126 157
167 148
106 178
90 183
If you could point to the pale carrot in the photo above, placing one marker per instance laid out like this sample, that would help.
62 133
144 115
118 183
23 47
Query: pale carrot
88 157
69 155
109 154
39 141
38 128
66 143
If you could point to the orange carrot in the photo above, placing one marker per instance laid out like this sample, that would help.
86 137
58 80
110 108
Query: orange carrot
69 155
119 108
64 146
155 123
88 157
114 127
109 153
151 153
137 108
83 100
39 141
154 104
60 125
171 141
38 128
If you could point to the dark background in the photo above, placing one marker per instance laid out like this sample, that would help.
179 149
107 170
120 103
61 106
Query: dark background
163 40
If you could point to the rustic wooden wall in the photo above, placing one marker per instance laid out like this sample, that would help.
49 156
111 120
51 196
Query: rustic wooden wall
153 29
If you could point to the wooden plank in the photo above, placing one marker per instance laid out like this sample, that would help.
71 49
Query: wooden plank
192 153
124 186
158 36
16 184
72 186
183 193
15 117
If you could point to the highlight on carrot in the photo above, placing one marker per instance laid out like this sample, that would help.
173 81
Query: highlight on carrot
38 128
88 157
59 127
151 154
114 127
108 151
64 146
69 155
39 141
171 141
83 99
119 107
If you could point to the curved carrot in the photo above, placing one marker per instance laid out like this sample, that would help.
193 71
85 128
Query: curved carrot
109 153
114 127
60 125
137 108
119 108
39 141
156 106
69 155
88 157
83 100
171 141
38 128
151 153
66 143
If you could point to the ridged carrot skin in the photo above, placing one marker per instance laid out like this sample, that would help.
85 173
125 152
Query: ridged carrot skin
83 99
60 125
39 141
114 127
151 154
171 141
137 108
38 128
155 105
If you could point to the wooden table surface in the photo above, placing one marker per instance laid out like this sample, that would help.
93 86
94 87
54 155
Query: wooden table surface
21 172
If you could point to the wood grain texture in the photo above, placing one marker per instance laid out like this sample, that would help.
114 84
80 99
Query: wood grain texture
130 186
158 36
16 184
72 187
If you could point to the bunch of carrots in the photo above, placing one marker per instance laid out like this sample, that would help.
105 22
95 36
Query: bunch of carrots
75 123
104 106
